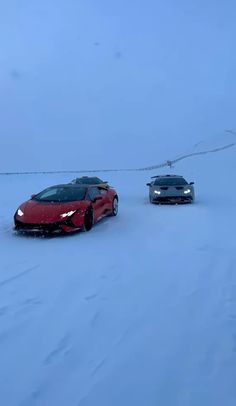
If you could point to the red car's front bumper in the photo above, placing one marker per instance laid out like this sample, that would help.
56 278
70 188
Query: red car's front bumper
66 226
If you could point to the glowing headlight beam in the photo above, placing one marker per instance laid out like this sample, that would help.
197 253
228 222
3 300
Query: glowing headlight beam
68 214
187 191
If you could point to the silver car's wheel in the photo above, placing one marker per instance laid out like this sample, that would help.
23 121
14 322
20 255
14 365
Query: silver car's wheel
114 207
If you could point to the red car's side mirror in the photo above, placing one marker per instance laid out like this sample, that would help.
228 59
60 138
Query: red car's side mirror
32 196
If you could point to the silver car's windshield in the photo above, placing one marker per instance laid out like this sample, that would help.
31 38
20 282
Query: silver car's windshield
170 182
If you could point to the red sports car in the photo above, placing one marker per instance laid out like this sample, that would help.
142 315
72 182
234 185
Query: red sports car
66 208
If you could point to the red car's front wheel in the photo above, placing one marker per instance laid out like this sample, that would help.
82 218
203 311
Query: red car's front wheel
88 219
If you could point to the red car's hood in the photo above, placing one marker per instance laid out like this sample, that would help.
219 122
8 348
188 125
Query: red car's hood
39 213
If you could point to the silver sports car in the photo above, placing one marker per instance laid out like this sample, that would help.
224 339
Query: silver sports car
170 189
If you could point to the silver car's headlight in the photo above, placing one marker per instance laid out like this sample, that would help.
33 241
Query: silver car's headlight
68 214
157 192
20 212
187 191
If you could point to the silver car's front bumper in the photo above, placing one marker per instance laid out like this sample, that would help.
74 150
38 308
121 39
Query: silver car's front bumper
171 199
171 195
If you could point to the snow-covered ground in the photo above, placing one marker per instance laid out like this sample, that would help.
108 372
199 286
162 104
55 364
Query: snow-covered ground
139 311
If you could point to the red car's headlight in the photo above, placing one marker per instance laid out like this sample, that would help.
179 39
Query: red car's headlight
20 212
67 214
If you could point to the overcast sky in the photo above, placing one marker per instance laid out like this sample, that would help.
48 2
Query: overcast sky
101 83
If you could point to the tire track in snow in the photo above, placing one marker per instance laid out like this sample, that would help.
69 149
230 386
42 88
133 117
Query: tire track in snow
231 301
61 350
21 308
18 276
103 361
105 358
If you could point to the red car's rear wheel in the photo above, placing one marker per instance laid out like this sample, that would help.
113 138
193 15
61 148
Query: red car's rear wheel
114 211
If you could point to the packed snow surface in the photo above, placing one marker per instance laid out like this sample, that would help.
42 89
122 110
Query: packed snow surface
139 311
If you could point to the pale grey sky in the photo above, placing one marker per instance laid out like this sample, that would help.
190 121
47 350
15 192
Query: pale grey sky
101 83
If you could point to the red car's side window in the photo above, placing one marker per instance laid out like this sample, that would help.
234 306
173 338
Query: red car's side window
103 192
93 192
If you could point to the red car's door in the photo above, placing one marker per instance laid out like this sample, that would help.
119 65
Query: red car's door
97 201
106 199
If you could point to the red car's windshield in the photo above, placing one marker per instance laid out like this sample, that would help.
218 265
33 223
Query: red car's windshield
58 194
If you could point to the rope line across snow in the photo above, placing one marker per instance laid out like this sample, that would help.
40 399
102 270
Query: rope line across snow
167 163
